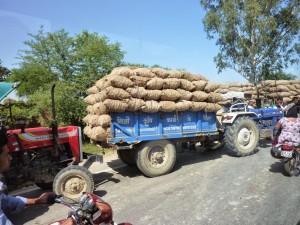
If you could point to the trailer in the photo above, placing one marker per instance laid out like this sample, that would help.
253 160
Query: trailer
150 139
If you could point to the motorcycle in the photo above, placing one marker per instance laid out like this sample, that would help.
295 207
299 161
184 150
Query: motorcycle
290 153
90 210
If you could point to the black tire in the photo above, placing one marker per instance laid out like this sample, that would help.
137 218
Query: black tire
127 156
241 138
291 167
45 186
72 181
156 158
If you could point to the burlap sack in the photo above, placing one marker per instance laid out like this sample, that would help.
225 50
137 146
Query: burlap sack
139 81
297 86
99 109
283 82
107 84
171 83
87 118
152 94
115 105
160 72
87 131
120 81
212 107
199 85
122 71
135 104
211 86
287 99
136 92
98 134
89 109
183 105
100 96
103 121
292 87
89 99
155 83
167 106
100 83
143 72
199 96
279 88
186 85
223 86
185 95
214 97
116 93
170 95
226 102
175 74
238 89
198 106
192 77
92 90
151 107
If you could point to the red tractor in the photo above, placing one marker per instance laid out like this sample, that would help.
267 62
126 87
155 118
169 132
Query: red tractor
48 157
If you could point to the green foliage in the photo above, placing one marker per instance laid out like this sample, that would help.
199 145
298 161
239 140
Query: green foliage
4 72
252 35
72 63
18 109
279 76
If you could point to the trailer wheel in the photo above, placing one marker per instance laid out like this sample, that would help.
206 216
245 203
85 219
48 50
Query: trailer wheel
72 181
127 156
156 158
242 137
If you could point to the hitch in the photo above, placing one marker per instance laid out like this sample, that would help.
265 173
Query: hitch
91 159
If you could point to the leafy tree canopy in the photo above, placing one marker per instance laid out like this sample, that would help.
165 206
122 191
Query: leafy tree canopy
4 72
280 75
73 63
253 35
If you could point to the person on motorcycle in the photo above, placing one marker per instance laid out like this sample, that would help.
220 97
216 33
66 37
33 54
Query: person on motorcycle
10 203
289 128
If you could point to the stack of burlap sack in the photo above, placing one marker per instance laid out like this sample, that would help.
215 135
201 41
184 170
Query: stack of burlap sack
267 89
148 90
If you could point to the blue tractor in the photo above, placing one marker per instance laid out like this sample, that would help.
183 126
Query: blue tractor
244 126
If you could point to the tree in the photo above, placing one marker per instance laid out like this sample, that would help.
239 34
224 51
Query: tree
253 35
4 72
280 75
73 63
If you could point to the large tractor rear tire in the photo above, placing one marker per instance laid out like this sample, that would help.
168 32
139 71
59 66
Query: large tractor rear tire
156 158
241 138
72 181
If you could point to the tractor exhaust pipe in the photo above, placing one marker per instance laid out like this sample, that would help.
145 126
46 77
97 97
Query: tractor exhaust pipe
54 122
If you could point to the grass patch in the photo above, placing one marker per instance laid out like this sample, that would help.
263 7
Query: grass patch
94 149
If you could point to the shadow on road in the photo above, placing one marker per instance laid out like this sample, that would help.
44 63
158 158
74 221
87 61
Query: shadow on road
192 157
277 167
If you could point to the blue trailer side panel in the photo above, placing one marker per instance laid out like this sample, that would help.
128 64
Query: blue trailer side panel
132 127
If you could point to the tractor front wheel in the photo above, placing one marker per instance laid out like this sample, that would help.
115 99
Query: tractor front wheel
241 138
72 181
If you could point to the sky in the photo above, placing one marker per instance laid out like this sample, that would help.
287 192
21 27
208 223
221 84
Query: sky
164 32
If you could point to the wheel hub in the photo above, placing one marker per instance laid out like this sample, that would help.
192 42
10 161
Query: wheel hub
244 136
156 156
74 185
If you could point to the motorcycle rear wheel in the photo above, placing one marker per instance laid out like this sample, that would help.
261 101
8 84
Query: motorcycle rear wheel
290 166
